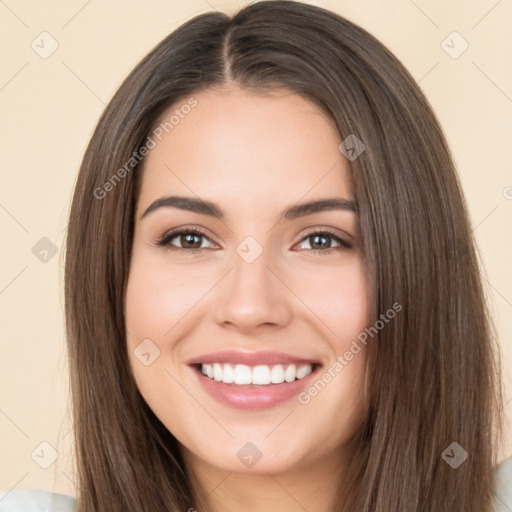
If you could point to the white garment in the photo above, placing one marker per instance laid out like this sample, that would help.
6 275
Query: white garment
33 500
503 498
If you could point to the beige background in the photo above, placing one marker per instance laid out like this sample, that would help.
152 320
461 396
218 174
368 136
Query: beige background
50 106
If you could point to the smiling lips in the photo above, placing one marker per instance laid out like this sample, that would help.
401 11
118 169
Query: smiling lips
253 380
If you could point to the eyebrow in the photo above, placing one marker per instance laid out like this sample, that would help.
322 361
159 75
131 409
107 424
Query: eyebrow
213 210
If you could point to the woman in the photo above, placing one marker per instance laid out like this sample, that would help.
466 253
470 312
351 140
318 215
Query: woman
323 343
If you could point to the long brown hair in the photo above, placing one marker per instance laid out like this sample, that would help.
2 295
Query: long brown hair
433 374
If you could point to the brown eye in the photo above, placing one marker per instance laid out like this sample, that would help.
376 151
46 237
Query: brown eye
189 239
322 242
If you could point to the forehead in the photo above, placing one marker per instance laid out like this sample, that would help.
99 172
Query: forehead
239 147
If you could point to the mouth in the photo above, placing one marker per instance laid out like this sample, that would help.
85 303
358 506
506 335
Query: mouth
253 381
257 375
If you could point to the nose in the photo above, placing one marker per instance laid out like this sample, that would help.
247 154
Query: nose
253 295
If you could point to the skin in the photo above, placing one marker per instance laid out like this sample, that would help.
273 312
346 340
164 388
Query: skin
253 155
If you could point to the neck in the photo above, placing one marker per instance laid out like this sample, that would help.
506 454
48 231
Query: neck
311 487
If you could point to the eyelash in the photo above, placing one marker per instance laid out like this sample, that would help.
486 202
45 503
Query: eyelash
165 240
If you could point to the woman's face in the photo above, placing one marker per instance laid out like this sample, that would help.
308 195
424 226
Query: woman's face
262 295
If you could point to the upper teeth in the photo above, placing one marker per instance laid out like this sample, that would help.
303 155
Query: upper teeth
261 374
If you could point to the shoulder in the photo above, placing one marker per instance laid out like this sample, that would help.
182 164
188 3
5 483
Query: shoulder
35 500
503 498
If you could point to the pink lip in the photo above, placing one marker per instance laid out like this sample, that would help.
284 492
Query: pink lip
252 396
249 358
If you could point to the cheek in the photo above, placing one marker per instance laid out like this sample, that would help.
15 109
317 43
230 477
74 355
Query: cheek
337 302
152 309
148 306
346 305
156 305
340 303
158 298
163 303
336 401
